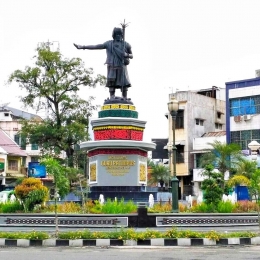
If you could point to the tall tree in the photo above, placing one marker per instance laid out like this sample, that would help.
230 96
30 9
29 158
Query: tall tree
53 84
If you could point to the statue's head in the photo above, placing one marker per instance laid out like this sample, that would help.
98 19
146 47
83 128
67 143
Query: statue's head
117 31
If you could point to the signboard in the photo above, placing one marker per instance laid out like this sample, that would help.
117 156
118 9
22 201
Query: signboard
117 170
36 170
2 165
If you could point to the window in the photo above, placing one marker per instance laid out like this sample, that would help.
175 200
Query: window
243 138
218 126
23 143
245 106
219 115
17 139
198 159
180 154
199 121
6 114
13 165
34 147
179 122
34 159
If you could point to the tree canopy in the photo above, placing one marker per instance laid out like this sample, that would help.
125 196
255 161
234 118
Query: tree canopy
224 157
53 84
59 173
159 174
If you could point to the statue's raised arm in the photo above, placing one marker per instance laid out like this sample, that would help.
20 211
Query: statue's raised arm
89 47
118 54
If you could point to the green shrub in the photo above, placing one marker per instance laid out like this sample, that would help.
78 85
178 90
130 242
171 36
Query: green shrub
85 234
203 208
24 235
66 207
128 234
114 207
225 207
33 198
11 207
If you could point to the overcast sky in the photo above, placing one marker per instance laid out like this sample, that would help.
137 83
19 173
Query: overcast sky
177 44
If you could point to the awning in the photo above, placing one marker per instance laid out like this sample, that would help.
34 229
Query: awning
200 151
181 142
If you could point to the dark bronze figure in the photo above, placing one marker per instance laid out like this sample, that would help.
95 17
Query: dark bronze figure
118 54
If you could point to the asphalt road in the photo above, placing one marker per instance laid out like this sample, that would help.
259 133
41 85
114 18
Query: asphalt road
151 253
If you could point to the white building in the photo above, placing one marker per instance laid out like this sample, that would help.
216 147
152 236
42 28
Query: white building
202 145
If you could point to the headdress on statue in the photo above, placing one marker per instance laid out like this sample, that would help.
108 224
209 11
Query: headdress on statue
115 31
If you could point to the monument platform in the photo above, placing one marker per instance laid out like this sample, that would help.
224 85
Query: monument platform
117 157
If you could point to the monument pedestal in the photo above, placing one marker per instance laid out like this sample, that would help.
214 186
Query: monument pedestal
118 154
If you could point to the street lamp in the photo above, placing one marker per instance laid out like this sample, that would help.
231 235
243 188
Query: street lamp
253 146
173 107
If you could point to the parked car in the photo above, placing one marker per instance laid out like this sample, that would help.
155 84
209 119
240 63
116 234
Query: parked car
5 195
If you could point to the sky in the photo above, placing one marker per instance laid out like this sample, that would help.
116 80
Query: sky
177 45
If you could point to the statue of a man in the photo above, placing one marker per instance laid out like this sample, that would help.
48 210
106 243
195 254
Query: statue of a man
118 54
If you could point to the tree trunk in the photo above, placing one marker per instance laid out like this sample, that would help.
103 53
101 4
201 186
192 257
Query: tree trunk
69 153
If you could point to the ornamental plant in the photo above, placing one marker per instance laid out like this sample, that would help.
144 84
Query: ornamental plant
112 207
31 192
212 186
128 234
11 207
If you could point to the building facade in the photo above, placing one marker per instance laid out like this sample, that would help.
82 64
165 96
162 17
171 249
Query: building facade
202 145
12 160
10 125
243 112
199 112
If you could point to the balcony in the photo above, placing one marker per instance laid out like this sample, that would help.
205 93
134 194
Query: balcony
19 173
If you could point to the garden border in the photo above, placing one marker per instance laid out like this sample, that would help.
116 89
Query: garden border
117 242
140 219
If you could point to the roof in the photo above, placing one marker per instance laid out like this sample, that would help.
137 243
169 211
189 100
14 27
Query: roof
212 134
10 146
23 114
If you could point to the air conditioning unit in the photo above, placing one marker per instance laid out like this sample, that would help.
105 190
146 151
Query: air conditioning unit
237 118
246 117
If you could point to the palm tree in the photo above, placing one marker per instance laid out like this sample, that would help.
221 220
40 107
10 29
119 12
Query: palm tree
245 172
159 174
246 167
223 156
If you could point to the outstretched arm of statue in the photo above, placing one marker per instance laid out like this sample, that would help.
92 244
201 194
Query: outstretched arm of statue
90 47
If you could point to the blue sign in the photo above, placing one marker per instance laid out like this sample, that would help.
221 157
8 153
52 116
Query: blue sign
36 170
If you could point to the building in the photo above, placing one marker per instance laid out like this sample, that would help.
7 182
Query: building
18 152
243 111
200 112
10 123
12 160
202 145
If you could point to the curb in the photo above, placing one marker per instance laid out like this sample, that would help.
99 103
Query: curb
117 242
